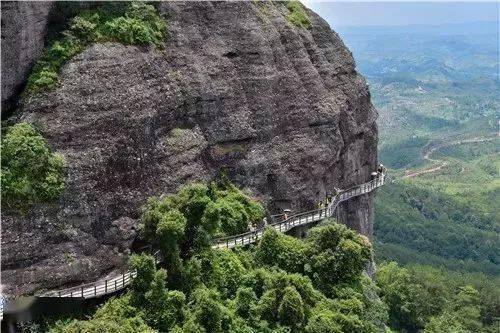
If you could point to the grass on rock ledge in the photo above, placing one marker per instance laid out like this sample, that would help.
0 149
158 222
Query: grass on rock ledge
298 15
135 23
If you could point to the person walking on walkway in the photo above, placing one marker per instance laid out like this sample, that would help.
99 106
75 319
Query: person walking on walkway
285 213
320 208
381 168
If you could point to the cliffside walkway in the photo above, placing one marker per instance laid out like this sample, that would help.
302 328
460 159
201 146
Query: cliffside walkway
114 284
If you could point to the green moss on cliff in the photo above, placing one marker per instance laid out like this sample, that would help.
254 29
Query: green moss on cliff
298 15
136 23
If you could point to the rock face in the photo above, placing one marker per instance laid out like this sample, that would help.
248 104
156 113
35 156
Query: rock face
24 25
237 89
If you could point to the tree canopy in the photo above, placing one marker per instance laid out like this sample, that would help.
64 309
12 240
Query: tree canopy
30 172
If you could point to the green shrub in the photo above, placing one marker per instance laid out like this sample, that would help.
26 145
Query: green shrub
115 316
291 309
230 214
298 15
85 27
224 271
283 251
30 172
335 255
135 23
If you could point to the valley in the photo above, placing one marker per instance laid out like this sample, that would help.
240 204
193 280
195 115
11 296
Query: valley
438 116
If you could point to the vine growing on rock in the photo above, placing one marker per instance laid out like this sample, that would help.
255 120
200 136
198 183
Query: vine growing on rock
30 172
135 23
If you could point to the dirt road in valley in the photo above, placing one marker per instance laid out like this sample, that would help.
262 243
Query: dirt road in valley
439 164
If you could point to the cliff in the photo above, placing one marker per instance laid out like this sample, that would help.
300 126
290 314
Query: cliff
238 89
24 26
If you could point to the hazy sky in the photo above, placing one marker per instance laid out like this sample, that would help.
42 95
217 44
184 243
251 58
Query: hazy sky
403 13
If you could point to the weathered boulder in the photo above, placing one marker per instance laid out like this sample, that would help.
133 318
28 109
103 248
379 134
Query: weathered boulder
237 89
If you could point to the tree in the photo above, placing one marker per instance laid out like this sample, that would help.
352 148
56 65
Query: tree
445 323
169 234
335 254
291 308
195 214
323 322
230 215
30 172
116 316
268 305
466 307
396 288
461 315
283 251
144 265
207 311
160 308
245 302
163 308
223 270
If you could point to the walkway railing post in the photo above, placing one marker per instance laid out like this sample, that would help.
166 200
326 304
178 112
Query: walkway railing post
123 279
95 290
106 286
82 291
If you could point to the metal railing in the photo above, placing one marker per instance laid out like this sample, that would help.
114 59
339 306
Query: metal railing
300 218
99 288
111 285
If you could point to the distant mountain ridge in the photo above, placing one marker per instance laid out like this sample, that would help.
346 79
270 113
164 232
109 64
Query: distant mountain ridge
466 28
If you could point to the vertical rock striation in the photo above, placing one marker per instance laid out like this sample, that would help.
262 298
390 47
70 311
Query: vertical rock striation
237 89
24 25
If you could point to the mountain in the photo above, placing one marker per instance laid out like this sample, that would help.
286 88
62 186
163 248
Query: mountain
251 90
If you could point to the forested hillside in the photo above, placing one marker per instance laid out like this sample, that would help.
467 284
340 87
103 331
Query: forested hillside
428 83
436 90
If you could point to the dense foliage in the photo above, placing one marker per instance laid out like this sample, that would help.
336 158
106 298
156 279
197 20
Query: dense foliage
282 284
443 219
30 172
135 23
183 224
243 291
115 316
422 298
